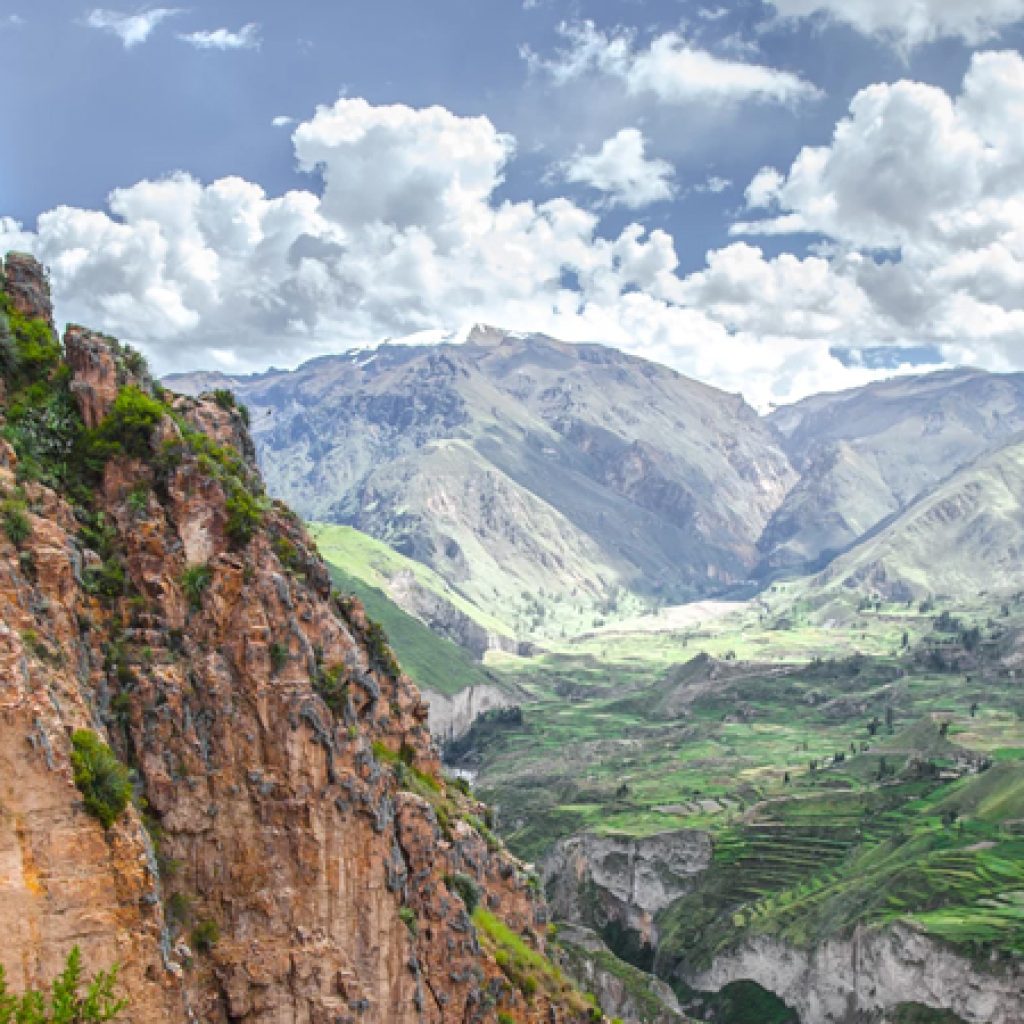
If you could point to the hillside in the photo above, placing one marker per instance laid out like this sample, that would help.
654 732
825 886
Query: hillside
963 538
867 453
549 484
212 770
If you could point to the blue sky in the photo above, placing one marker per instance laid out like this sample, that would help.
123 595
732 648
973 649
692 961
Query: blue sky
774 196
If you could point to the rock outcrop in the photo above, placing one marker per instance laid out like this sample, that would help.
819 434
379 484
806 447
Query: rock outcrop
625 992
292 854
621 881
451 717
847 981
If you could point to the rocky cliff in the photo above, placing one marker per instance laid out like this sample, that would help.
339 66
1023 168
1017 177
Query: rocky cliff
848 981
618 884
291 853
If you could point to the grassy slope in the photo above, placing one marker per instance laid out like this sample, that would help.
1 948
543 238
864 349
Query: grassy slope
374 563
433 662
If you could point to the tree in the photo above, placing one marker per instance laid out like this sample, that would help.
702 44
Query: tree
64 1004
974 708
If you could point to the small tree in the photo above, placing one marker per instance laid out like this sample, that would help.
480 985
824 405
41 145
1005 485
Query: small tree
64 1004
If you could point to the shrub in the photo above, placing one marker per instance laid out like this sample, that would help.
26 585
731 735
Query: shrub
466 888
244 515
14 516
194 582
138 499
332 686
205 935
278 656
287 554
381 655
131 422
225 398
64 1004
105 580
408 917
105 783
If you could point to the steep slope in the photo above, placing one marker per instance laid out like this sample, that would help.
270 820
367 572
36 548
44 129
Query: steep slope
962 538
290 853
867 453
514 463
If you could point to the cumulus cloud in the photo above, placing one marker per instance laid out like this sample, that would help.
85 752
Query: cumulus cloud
246 38
131 29
908 23
622 171
405 231
670 69
933 187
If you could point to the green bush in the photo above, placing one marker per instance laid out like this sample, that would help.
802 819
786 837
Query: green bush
131 422
64 1004
278 656
105 783
14 516
194 581
332 686
408 916
205 936
225 398
244 515
466 888
106 579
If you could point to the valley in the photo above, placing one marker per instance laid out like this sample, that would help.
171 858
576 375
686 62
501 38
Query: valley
748 691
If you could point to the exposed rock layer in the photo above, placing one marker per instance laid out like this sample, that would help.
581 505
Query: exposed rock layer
858 979
600 879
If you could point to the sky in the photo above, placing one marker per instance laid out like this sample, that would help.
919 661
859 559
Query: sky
777 197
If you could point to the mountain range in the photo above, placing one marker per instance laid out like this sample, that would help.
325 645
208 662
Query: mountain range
553 486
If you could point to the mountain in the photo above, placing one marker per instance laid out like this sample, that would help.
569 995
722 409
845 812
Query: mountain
212 770
549 484
964 537
865 454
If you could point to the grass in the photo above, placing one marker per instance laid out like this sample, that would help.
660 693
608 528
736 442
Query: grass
431 661
525 967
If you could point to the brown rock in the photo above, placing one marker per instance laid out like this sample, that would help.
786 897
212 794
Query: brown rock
95 383
25 280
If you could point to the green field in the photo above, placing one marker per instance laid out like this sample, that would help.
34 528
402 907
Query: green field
862 769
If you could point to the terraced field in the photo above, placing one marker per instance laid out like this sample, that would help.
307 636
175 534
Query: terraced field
883 784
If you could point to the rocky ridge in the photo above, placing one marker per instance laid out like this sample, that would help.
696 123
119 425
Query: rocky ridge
292 854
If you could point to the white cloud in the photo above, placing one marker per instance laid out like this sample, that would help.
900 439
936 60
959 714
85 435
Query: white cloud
406 233
620 169
908 23
937 184
282 121
131 29
246 38
670 69
714 184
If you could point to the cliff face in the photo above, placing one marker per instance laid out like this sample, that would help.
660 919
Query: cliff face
622 882
298 858
846 981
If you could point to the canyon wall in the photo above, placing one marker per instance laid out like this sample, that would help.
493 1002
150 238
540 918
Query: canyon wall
292 854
